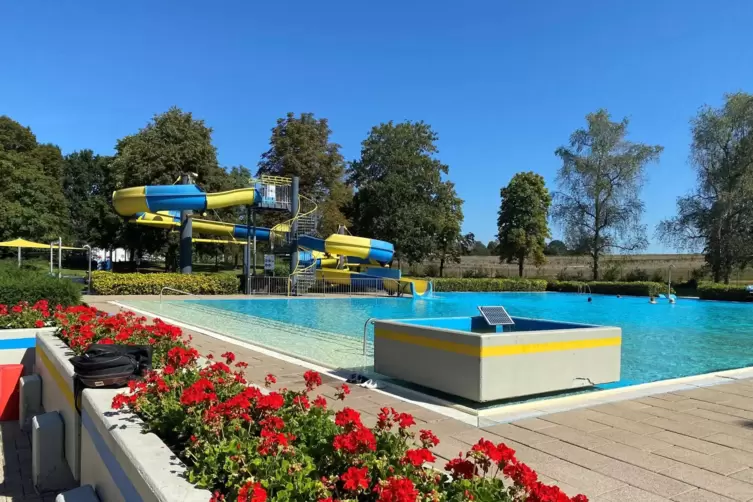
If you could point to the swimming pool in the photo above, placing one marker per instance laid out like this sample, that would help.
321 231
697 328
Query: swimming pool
659 342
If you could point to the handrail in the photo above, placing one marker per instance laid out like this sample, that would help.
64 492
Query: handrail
370 320
173 289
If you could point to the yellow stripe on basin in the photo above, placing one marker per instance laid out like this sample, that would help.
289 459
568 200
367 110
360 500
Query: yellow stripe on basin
498 350
55 374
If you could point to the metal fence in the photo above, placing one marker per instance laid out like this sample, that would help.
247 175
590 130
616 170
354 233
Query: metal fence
264 285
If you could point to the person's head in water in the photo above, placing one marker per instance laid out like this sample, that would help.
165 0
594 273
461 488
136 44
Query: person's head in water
619 296
589 299
651 299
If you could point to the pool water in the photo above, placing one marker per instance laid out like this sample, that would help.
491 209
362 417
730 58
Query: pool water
659 341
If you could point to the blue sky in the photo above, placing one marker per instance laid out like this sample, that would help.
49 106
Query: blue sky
503 83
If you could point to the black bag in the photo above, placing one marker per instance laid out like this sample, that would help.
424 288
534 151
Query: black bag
109 366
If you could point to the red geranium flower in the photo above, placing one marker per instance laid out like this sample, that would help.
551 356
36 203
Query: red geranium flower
313 379
398 490
418 457
269 380
355 479
461 468
252 492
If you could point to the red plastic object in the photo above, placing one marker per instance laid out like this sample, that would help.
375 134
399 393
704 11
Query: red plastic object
10 376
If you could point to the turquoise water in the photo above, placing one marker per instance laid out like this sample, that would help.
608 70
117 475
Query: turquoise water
659 341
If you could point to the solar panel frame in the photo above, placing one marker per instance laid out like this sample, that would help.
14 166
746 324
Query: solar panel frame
496 315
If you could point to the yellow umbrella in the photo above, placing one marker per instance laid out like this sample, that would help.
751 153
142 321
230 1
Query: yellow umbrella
23 243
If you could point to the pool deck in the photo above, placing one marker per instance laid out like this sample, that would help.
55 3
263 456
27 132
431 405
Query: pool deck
693 444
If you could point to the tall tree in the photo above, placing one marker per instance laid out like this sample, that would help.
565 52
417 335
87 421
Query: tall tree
522 221
88 183
449 245
171 144
718 215
32 205
300 146
493 247
398 182
556 248
602 173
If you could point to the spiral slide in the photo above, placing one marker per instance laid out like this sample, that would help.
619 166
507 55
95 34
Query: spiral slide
160 205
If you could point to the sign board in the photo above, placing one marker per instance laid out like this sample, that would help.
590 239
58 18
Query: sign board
269 262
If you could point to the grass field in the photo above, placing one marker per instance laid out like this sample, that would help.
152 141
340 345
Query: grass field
613 267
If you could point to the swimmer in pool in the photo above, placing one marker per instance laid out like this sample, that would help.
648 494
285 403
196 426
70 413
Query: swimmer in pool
652 300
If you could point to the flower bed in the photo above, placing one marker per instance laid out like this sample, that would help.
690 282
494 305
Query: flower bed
248 444
19 326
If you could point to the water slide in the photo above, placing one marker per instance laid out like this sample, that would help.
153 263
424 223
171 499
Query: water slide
160 205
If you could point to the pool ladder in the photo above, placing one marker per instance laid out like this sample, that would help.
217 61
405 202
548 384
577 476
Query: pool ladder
583 287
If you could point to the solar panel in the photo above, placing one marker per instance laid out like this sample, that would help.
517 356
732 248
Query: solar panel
496 316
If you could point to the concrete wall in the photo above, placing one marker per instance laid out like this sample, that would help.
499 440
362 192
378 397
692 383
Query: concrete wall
486 367
17 346
124 464
52 366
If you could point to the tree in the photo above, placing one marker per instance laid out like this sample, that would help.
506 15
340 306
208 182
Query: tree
718 215
479 249
522 220
556 248
467 243
301 146
32 205
88 183
493 247
399 184
449 239
598 201
171 144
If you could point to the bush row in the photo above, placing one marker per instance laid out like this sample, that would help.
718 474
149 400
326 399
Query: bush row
715 291
109 283
643 288
466 284
21 284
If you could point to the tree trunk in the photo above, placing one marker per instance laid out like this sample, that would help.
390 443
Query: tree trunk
441 267
521 261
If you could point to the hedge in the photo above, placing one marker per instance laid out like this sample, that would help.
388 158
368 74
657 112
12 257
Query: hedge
642 288
31 285
468 284
110 283
715 291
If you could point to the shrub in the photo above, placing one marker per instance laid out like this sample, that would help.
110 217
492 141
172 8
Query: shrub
431 270
475 273
109 283
23 315
728 292
643 288
636 275
612 273
29 285
466 284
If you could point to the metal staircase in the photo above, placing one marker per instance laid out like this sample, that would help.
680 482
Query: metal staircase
306 222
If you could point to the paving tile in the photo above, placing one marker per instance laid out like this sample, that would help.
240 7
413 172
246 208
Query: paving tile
520 434
742 457
715 483
576 437
670 396
449 427
688 442
570 491
588 482
746 475
652 482
686 404
449 448
646 443
727 410
735 389
574 420
630 494
705 394
650 461
576 454
700 496
713 463
695 430
629 413
619 422
717 417
533 424
731 441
